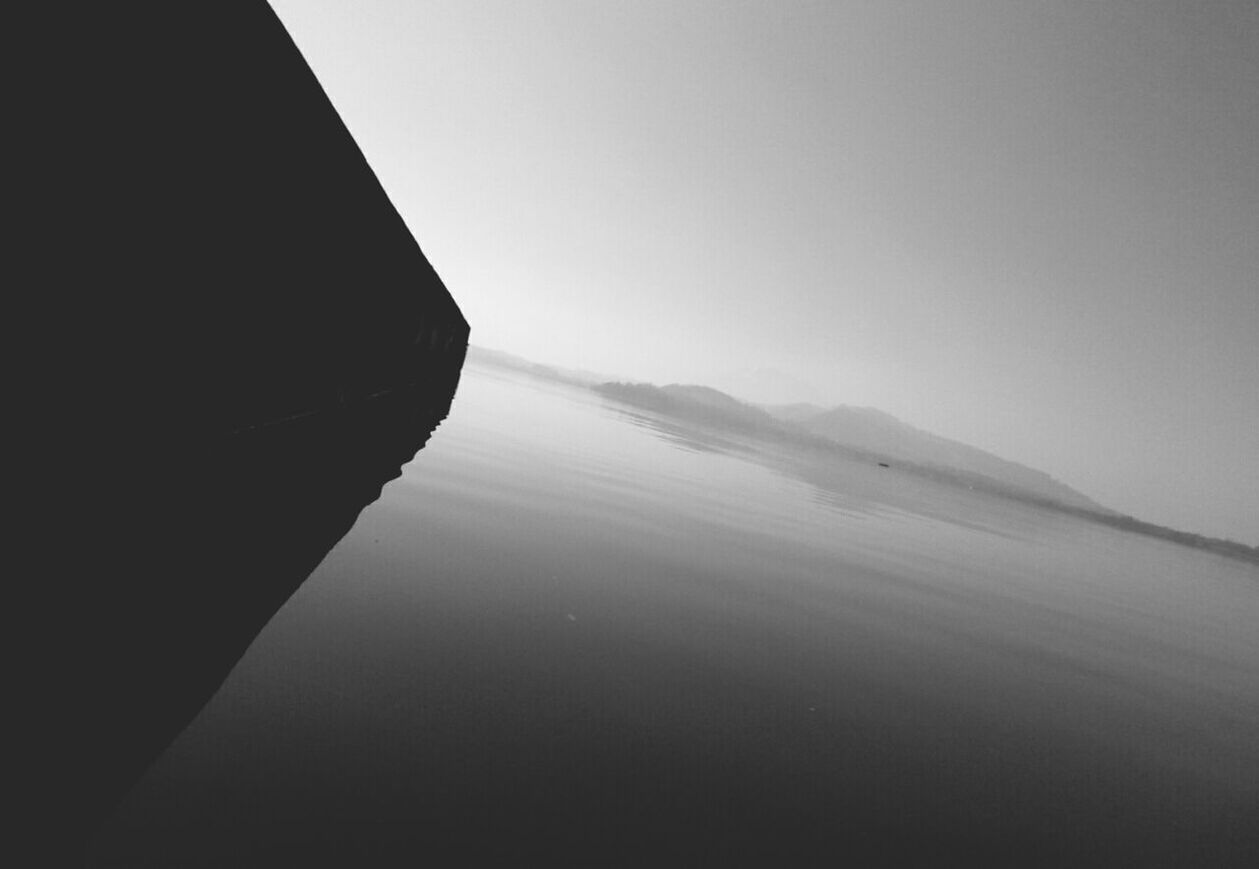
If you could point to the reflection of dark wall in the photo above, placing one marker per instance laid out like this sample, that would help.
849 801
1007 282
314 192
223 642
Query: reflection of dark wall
229 342
213 556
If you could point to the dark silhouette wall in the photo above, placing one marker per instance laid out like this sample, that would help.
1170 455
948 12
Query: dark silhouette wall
229 342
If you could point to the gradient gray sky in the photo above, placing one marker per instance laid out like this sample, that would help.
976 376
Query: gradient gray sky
1030 226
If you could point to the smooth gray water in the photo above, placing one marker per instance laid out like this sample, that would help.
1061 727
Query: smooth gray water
578 632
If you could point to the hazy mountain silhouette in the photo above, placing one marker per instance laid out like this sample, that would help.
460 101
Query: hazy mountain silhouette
867 428
871 435
861 432
864 434
765 386
486 356
700 404
867 431
797 412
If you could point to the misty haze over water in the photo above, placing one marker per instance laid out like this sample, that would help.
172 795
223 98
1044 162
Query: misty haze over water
1028 227
577 628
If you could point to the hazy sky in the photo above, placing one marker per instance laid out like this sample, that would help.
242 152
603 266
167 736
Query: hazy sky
1030 226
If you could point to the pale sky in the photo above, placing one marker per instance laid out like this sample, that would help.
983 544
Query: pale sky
1030 226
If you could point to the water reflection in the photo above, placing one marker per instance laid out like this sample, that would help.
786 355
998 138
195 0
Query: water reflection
246 527
567 639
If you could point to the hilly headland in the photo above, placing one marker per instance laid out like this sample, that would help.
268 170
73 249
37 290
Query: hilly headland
863 434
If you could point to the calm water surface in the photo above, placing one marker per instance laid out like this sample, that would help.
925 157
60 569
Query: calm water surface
577 633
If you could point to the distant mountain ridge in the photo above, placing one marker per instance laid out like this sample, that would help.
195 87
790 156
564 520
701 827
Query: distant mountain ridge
863 433
765 386
864 430
701 404
501 359
867 428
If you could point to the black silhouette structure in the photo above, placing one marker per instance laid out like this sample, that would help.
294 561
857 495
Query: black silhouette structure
232 342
